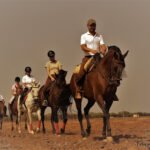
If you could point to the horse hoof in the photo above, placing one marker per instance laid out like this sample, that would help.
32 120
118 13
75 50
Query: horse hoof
19 131
84 134
84 138
58 135
37 130
109 139
31 132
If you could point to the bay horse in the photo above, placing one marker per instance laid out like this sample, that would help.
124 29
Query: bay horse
100 85
58 98
31 104
2 112
13 112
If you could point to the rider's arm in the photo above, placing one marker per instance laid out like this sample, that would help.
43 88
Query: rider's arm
86 49
102 47
14 90
49 73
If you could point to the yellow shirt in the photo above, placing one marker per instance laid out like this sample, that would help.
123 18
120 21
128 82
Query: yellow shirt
53 67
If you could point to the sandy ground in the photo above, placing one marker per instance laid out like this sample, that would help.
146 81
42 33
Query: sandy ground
128 134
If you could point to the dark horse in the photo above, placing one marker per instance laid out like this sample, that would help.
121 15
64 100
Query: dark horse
58 97
100 86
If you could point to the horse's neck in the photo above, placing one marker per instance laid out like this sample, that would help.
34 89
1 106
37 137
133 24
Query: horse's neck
104 66
60 83
29 96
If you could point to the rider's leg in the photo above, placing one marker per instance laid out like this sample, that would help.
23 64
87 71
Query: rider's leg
24 93
79 76
43 96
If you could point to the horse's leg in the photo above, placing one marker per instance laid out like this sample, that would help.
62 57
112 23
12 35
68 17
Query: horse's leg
11 118
55 119
80 116
30 121
107 107
19 121
39 120
64 113
101 104
43 118
86 113
1 119
52 123
26 118
19 114
0 124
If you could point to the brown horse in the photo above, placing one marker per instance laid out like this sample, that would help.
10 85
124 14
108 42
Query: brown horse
13 111
58 97
100 86
2 113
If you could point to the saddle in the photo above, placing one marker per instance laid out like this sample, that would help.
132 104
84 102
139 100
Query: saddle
89 65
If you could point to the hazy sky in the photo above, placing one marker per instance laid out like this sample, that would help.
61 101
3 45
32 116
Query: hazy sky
29 28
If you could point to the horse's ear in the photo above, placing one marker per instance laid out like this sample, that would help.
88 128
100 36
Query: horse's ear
126 53
38 84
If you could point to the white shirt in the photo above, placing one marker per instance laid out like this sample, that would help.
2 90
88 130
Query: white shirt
92 42
28 80
1 98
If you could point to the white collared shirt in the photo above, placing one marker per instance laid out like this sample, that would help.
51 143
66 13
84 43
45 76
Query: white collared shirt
28 80
92 42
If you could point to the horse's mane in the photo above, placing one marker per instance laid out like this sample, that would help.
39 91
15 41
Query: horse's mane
60 78
115 48
110 54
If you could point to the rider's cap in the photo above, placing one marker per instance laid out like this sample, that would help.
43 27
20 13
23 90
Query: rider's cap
51 53
28 69
91 21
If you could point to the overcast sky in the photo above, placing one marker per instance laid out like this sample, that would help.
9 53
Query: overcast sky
29 28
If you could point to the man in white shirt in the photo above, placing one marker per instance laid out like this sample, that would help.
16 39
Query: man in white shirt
27 81
91 43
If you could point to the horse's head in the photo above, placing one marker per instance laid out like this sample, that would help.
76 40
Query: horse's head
35 90
117 63
60 78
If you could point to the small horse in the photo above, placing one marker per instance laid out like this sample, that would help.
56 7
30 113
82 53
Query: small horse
2 109
13 111
31 105
100 85
58 98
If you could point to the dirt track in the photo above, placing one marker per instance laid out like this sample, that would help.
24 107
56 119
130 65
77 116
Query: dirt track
128 134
